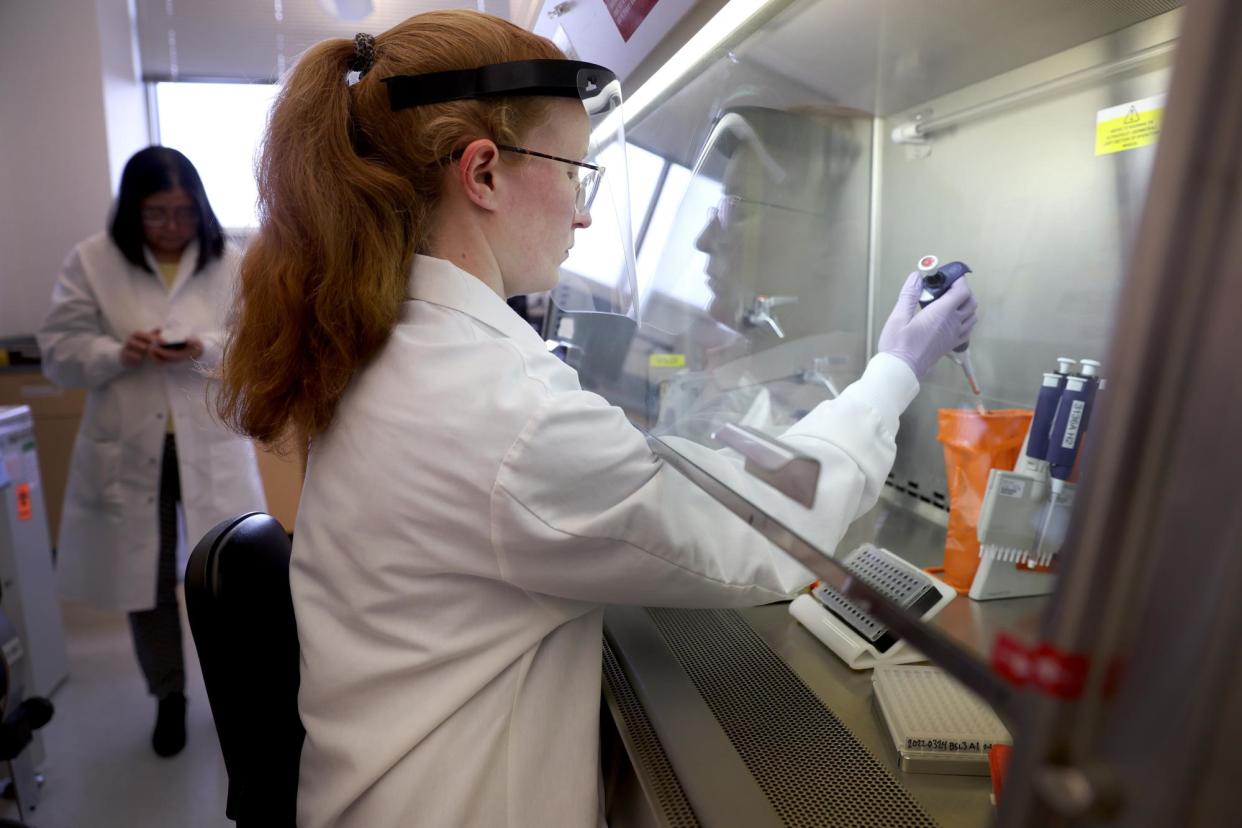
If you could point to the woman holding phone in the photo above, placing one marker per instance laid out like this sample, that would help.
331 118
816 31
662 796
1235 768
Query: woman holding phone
137 319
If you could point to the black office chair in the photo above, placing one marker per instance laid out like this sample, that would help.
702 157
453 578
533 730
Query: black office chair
241 616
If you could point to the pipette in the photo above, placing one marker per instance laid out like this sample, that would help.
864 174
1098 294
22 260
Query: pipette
1034 459
1068 431
936 281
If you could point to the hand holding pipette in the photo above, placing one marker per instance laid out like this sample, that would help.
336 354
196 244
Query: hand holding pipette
921 338
937 282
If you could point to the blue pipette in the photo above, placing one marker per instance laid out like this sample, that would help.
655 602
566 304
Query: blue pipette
1035 458
1070 425
1069 428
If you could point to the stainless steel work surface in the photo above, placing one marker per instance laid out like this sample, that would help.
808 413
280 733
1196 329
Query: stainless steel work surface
950 800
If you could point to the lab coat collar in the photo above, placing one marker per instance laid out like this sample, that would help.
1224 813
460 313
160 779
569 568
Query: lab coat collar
443 283
185 268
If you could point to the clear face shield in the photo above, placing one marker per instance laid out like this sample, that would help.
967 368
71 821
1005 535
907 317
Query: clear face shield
594 310
776 182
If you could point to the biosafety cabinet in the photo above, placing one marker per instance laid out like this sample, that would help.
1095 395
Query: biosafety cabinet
1070 484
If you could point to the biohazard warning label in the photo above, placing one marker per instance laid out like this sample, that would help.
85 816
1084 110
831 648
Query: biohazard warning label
1128 126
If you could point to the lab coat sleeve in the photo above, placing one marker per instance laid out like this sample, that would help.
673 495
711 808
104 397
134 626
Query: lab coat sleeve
852 437
213 349
855 440
76 350
583 509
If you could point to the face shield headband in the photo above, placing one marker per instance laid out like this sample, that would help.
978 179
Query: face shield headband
596 87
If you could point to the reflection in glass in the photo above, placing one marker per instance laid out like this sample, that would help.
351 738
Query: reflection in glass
676 218
783 247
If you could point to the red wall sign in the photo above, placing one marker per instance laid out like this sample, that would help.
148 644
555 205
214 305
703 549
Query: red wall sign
627 14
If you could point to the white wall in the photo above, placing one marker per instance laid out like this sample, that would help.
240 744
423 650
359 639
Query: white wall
56 179
125 98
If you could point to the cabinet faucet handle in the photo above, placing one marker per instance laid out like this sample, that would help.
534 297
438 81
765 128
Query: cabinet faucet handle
760 312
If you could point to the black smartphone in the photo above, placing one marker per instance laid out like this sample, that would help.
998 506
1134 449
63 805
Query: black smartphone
173 346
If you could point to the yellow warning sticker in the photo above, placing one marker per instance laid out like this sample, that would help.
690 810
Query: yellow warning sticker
1129 125
667 361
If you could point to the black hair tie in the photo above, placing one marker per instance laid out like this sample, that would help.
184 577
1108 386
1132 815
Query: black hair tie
364 54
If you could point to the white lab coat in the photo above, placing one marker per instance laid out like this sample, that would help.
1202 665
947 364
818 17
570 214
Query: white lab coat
463 523
109 533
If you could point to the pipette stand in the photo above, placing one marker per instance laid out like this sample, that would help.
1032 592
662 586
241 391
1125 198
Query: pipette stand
1013 565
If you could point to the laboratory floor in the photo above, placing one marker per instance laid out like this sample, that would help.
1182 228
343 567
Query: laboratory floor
100 769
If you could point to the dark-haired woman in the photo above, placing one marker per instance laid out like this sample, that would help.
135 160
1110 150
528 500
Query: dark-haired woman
137 319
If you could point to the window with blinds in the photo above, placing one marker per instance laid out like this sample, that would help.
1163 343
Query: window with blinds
257 40
213 64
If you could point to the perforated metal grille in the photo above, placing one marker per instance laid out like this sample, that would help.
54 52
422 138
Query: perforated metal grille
808 764
1142 9
672 800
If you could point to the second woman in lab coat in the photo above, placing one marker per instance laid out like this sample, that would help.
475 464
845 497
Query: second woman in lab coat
137 319
468 510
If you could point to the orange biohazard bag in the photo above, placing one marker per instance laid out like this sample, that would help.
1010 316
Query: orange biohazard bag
974 444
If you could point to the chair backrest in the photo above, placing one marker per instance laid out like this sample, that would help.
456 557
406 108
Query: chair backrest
241 616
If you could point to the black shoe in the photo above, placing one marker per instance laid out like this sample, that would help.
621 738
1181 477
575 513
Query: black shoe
169 736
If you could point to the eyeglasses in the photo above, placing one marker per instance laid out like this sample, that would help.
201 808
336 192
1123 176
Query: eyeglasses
732 209
589 176
162 216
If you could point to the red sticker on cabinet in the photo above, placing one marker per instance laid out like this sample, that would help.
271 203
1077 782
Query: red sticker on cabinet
25 506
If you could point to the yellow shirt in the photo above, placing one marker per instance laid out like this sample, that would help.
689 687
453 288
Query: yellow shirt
168 272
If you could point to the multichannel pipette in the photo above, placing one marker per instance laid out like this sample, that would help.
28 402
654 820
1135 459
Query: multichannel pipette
937 280
1069 428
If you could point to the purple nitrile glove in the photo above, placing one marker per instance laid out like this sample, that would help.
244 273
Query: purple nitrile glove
921 337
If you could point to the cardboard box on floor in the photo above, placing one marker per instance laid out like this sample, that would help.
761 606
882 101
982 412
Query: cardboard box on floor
57 412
